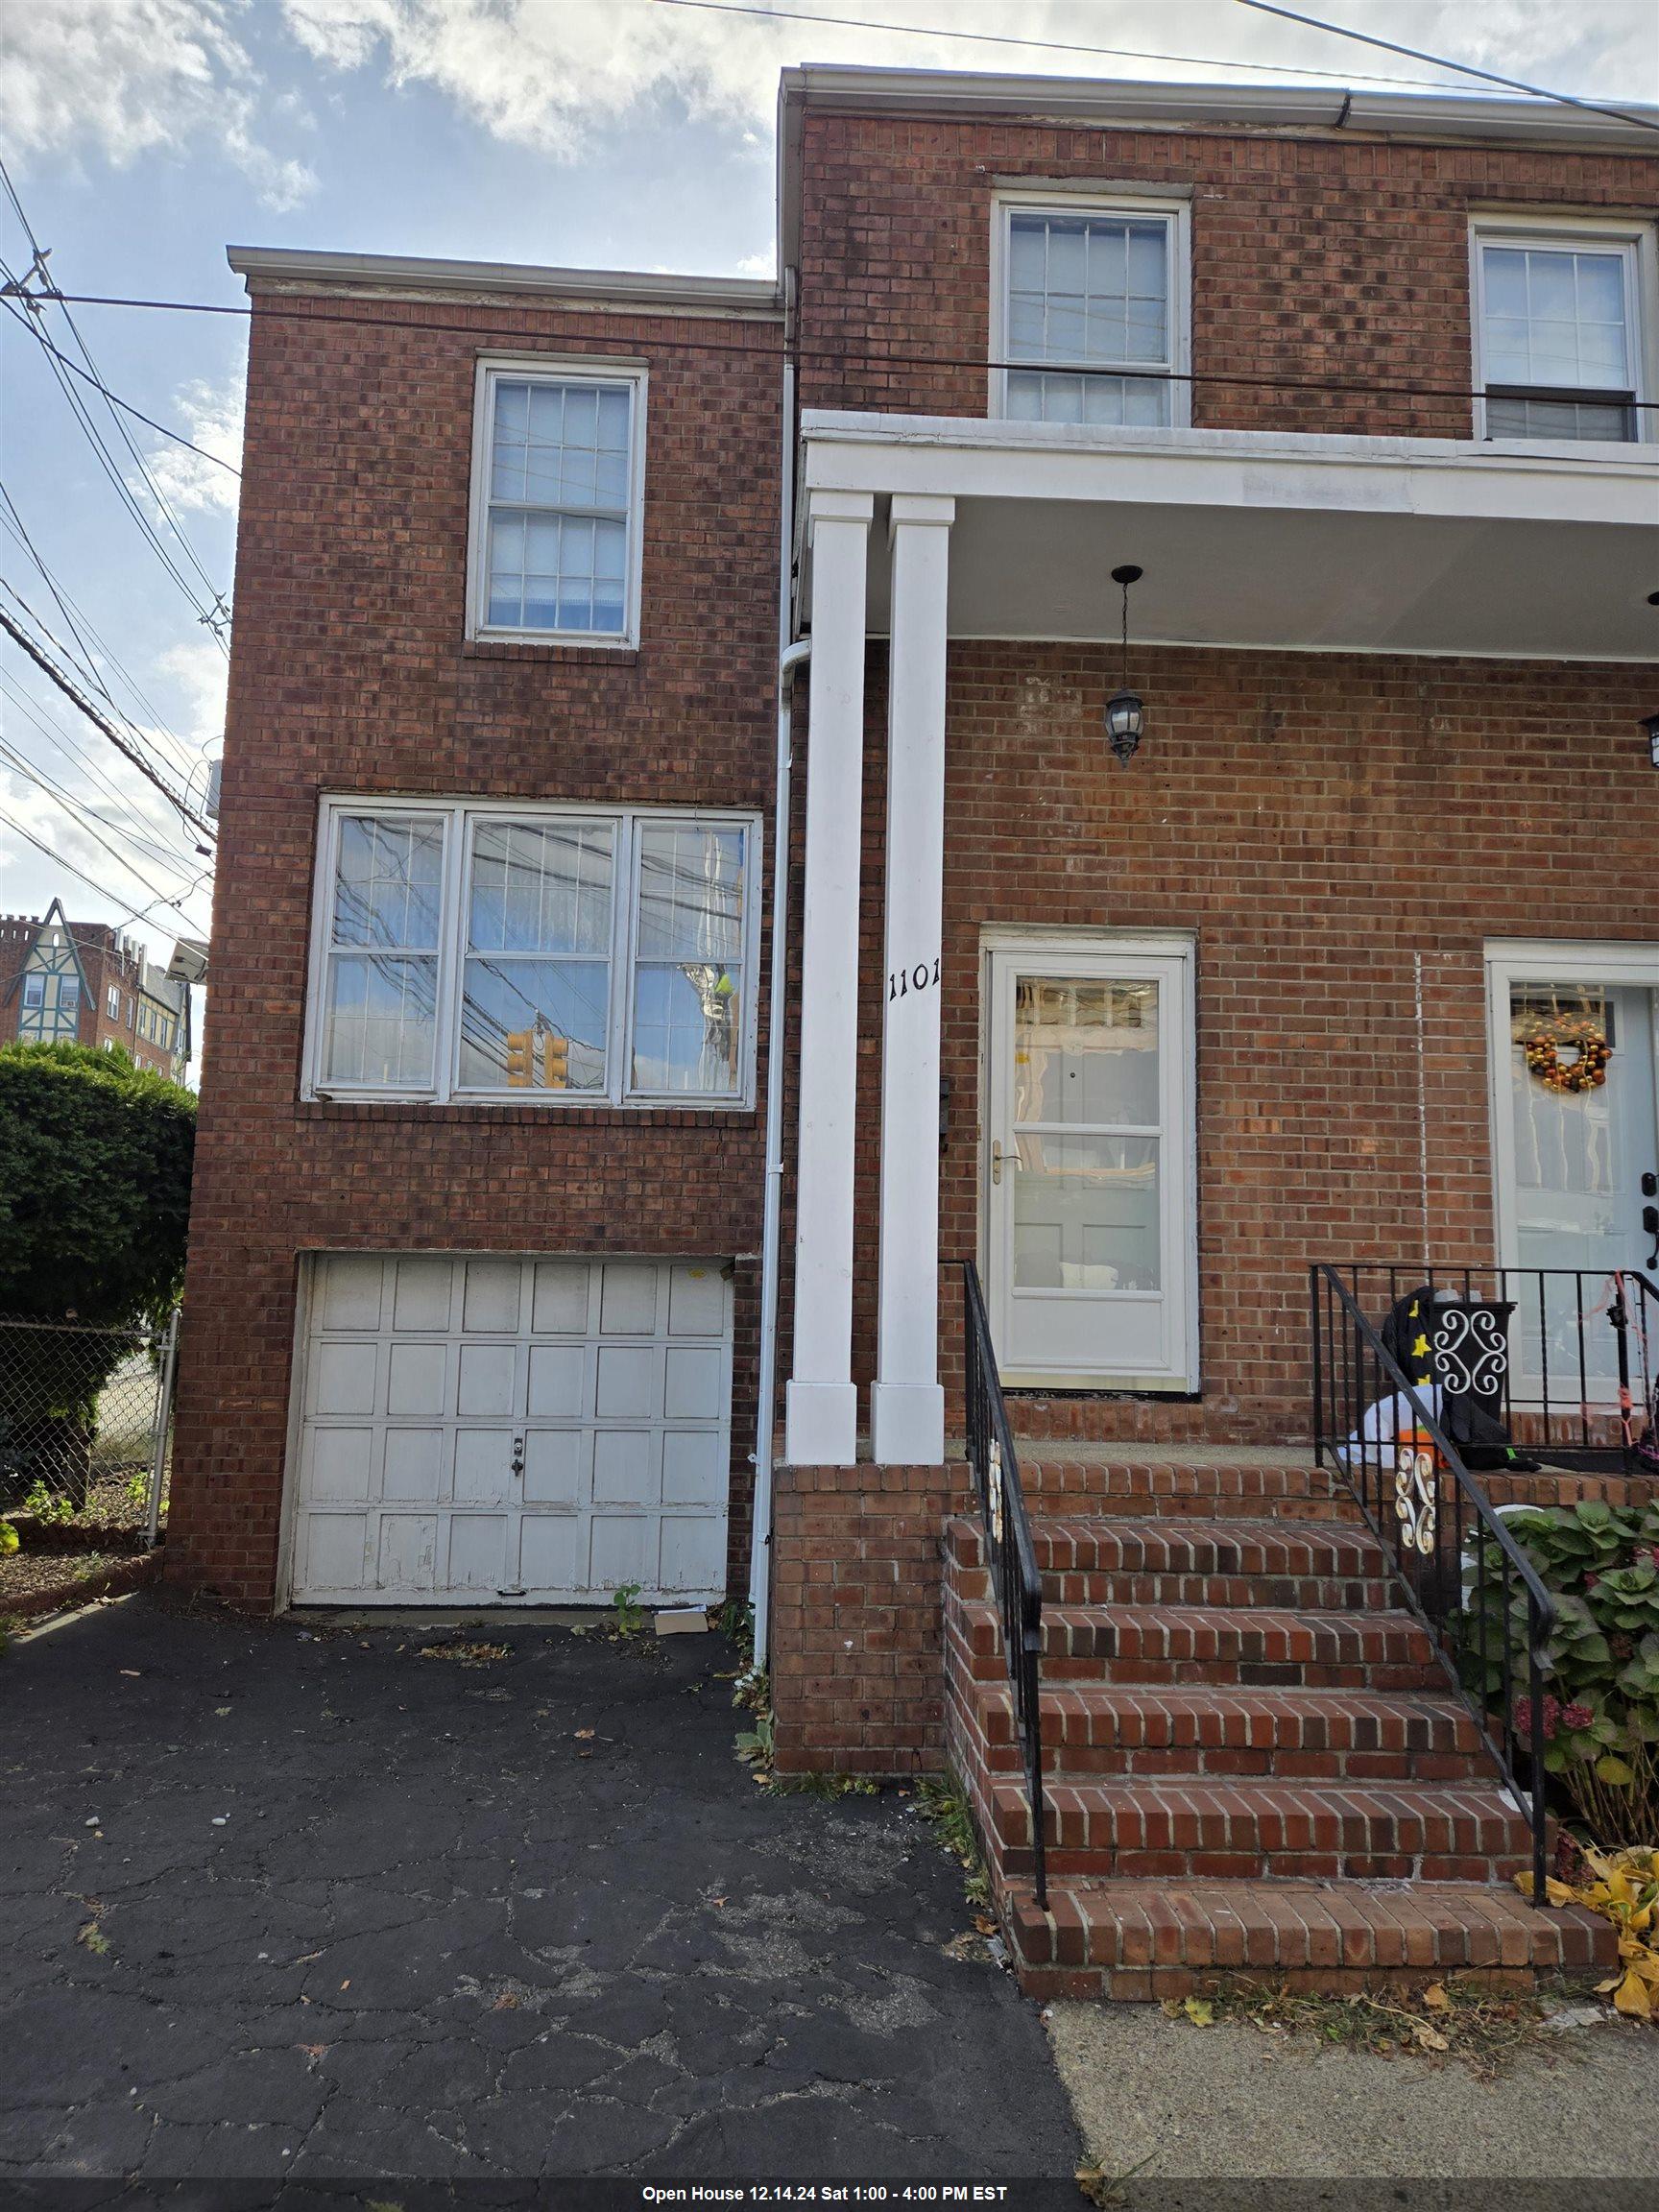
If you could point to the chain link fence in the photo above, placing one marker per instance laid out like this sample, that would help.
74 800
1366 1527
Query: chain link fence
85 1420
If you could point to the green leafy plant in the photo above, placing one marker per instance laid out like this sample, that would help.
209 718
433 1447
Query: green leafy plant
629 1615
9 1540
50 1507
943 1803
1600 1718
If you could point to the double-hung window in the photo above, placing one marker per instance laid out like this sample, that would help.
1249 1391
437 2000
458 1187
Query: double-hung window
34 992
112 1000
1089 314
565 955
557 469
1558 332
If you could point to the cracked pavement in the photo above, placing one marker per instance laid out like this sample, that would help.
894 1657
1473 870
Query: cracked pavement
365 1913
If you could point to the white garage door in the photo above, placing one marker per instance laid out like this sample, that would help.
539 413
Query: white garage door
523 1430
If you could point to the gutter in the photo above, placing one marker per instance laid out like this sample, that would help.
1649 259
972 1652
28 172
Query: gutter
792 654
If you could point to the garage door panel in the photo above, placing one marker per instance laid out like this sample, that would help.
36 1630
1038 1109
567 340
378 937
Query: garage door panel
342 1463
697 1302
626 1467
425 1375
407 1552
628 1299
345 1378
489 1379
336 1553
423 1294
557 1466
478 1545
560 1297
559 1380
694 1551
491 1301
417 1380
629 1379
693 1473
413 1469
623 1551
483 1466
352 1291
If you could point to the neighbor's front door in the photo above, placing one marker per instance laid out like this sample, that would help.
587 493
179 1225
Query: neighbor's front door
1089 1166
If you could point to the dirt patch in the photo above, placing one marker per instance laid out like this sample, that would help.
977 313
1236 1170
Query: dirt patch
33 1582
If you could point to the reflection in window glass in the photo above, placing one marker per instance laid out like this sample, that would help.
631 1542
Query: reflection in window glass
689 980
1087 290
560 477
1086 1213
1086 1052
531 1021
380 1011
1556 350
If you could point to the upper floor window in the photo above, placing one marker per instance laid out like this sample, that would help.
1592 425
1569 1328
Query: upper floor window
113 1000
571 955
34 991
1558 333
556 503
1092 296
68 995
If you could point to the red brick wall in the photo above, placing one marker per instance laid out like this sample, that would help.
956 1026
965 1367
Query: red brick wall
1319 257
858 1616
1315 820
352 673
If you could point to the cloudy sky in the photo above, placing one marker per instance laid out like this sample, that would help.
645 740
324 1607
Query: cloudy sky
141 136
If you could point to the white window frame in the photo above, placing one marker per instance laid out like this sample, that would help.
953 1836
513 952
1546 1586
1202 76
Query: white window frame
1637 244
460 817
34 991
1122 201
518 368
112 1003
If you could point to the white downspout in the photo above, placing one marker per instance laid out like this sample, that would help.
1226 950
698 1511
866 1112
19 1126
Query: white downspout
791 656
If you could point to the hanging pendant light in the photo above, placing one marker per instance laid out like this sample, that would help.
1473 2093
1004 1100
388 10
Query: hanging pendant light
1125 710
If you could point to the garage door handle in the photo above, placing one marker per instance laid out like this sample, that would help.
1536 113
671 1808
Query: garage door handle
517 1456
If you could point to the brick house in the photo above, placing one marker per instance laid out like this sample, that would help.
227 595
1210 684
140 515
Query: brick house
1301 443
84 983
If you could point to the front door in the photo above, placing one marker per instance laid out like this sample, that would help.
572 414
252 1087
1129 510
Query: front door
1576 1107
1089 1166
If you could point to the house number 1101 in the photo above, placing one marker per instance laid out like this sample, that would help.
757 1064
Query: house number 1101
903 980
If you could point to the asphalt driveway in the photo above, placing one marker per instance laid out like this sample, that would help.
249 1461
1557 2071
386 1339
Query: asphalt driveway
277 1903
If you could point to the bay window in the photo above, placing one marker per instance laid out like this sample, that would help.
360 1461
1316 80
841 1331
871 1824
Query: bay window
569 956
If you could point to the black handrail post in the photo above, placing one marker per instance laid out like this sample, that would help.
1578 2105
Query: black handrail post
1318 1368
1619 1320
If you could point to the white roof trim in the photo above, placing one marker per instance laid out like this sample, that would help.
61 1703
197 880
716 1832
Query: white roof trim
288 269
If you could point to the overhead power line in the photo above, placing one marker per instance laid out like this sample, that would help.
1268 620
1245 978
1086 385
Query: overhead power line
123 744
11 290
752 7
86 822
130 913
843 356
1442 61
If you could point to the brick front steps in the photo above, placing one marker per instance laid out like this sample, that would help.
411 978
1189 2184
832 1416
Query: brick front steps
1253 1759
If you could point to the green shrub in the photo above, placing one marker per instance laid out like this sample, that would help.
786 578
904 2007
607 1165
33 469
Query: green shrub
1600 1565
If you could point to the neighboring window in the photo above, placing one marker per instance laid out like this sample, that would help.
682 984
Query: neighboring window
577 956
1558 335
556 504
34 992
1085 291
113 1002
68 995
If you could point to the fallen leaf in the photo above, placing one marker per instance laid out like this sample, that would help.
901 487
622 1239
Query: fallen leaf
93 1937
133 1673
314 2050
1436 1998
306 1957
585 1735
505 2002
346 1983
718 1903
1200 2010
1431 2038
221 1710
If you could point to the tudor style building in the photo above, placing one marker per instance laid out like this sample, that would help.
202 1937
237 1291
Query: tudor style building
599 1109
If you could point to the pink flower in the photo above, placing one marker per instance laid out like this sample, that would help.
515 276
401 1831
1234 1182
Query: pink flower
1591 1579
1577 1715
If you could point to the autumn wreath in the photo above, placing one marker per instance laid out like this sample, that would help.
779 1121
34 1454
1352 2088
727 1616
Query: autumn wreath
1544 1040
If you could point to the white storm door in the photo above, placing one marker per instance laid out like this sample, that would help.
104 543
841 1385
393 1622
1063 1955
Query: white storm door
1088 1168
1571 1162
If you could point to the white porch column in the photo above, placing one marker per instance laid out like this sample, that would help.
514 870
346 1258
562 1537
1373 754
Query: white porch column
906 1404
821 1404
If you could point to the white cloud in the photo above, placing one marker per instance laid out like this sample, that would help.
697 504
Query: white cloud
210 416
200 672
129 78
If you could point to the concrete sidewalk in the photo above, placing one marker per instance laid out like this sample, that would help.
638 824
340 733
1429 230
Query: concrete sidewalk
278 1904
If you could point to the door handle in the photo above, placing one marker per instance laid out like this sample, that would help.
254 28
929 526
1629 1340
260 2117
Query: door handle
996 1162
1650 1228
518 1458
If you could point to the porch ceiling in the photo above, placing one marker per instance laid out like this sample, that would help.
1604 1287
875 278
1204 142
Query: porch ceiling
1262 540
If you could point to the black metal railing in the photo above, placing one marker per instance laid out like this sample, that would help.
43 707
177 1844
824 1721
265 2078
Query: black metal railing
1463 1574
1573 1360
1011 1555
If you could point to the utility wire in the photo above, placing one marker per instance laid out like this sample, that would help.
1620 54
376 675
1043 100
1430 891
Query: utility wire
1441 61
142 830
1039 45
844 358
182 757
129 914
10 292
88 828
72 691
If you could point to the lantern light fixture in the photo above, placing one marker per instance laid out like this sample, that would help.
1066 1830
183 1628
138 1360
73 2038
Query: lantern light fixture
1125 710
1650 723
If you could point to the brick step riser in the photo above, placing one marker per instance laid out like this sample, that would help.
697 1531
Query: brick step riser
1434 1756
1088 1863
1406 1667
1235 1592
